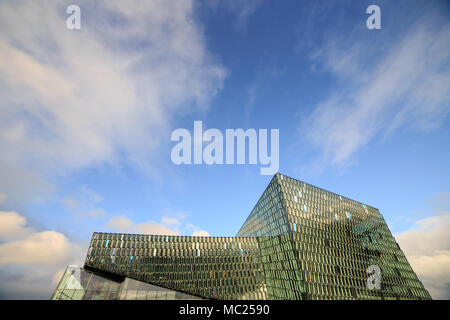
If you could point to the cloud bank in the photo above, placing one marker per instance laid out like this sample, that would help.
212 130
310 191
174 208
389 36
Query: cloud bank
30 259
427 247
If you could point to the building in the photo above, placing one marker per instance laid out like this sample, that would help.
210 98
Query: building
299 242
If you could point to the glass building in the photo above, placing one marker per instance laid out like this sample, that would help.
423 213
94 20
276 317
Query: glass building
299 242
82 284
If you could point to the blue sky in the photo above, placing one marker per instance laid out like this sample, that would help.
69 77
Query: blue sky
86 117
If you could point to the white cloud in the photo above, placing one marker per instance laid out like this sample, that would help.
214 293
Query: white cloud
102 94
119 223
29 258
154 228
201 233
12 226
196 231
47 247
427 247
123 224
381 89
24 245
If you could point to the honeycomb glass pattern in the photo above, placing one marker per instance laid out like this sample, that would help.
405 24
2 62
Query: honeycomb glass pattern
299 242
335 240
210 267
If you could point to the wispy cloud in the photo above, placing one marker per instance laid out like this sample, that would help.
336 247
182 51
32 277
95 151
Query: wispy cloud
85 203
2 197
170 220
22 185
441 203
380 90
103 94
241 9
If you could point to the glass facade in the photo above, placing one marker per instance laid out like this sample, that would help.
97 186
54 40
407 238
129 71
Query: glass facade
299 242
329 244
81 284
212 267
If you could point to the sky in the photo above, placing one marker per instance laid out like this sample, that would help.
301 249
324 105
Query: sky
86 117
